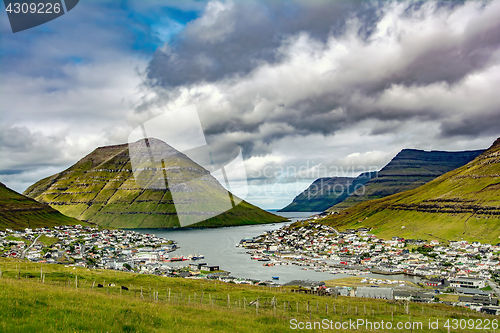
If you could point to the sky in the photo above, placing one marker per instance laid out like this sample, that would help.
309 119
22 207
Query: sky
307 89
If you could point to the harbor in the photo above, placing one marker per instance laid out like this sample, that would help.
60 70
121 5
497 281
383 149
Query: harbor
221 247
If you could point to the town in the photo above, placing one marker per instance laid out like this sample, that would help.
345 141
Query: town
87 247
122 250
467 270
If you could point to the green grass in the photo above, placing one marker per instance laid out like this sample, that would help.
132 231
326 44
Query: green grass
406 171
58 305
48 241
17 239
18 212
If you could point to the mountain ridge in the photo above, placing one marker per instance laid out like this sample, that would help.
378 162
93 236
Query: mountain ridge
461 204
409 169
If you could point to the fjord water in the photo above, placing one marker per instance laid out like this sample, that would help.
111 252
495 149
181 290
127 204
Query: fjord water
218 245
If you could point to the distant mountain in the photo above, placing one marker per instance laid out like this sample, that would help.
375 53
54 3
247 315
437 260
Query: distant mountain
409 169
19 212
101 188
461 204
326 192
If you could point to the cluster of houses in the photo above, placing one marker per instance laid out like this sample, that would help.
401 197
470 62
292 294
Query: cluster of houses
459 266
87 247
109 249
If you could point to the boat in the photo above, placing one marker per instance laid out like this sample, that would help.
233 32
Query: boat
264 259
276 277
197 257
177 259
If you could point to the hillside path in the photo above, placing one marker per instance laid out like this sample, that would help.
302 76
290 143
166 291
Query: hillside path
29 247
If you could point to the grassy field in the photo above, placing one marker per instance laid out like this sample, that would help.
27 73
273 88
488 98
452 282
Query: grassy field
355 281
68 300
448 298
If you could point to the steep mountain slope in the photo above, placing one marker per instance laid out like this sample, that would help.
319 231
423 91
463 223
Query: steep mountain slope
461 204
326 192
19 212
409 169
101 188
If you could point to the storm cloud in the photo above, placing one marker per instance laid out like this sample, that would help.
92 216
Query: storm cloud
259 72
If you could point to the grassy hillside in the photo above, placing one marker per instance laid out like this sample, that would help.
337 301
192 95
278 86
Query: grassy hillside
461 204
19 212
409 169
60 304
102 188
323 193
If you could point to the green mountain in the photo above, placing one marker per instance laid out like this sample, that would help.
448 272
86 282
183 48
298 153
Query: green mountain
101 188
19 212
409 169
326 192
461 204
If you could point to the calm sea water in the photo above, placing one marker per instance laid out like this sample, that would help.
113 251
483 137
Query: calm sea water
219 248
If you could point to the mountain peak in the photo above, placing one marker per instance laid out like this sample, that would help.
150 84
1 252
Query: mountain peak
496 144
145 184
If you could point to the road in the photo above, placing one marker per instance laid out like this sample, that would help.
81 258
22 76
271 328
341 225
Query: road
29 247
494 286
